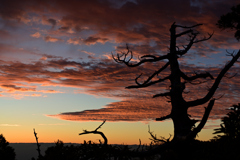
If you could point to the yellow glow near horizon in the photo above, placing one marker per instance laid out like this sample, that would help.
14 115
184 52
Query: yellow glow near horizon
116 132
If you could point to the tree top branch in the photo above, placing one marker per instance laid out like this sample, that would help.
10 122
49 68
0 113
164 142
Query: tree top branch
123 58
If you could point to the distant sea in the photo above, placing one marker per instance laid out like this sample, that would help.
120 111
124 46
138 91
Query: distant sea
25 151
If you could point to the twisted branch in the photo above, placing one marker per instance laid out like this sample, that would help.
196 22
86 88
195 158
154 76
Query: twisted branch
196 76
96 132
122 58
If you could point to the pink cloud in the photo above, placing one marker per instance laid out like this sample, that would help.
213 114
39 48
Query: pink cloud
13 88
51 39
74 41
36 35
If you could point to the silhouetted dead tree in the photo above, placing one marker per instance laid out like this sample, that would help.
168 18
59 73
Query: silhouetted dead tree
183 126
97 132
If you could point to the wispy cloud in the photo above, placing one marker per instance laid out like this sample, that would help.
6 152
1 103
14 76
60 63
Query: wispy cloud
9 125
36 35
51 39
55 124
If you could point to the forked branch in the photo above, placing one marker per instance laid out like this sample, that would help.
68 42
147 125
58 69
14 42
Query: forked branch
123 58
157 140
148 82
96 132
205 38
192 41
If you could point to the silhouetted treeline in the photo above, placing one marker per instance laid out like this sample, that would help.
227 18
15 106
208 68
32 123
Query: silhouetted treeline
216 149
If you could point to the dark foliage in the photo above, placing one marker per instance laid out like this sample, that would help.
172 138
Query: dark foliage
93 151
217 149
6 152
231 21
230 126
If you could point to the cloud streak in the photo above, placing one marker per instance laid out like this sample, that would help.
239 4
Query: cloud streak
9 125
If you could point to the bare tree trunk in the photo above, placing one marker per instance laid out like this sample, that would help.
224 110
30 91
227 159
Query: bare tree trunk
182 124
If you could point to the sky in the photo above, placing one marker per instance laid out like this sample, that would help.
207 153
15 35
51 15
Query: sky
57 73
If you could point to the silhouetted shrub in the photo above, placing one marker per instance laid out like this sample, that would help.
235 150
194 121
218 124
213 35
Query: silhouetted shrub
6 152
230 125
61 152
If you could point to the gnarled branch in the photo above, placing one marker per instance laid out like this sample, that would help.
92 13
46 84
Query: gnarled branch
147 82
122 58
215 84
192 40
162 95
155 139
205 38
186 49
196 76
96 132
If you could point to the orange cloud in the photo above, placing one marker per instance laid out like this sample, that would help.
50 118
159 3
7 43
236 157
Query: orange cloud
74 41
93 40
129 110
50 91
51 39
36 35
13 88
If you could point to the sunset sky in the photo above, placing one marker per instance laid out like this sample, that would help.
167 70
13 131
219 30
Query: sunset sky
57 74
